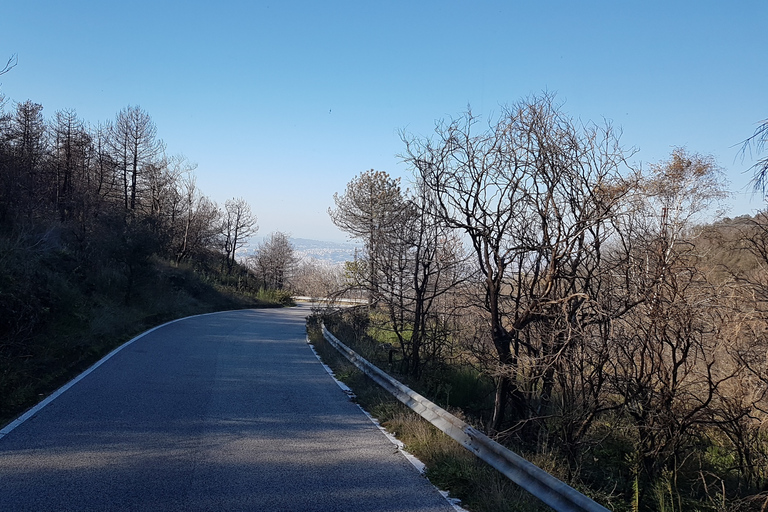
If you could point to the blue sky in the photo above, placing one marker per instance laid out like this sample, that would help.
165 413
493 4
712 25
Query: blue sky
283 103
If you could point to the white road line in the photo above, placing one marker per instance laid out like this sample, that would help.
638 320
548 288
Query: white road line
30 413
415 462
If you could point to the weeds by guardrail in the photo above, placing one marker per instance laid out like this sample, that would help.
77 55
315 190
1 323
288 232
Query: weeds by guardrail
558 495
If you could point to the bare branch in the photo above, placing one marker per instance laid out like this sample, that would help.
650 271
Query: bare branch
760 168
12 61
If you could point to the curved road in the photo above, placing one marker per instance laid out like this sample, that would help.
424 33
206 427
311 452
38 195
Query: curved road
221 412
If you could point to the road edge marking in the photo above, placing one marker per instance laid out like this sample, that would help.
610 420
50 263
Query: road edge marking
53 396
455 503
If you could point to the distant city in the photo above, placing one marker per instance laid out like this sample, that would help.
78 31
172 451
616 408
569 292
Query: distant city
334 253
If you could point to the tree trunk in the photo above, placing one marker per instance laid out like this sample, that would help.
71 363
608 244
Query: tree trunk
500 403
501 341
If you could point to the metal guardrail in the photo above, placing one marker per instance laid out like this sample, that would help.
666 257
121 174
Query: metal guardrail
558 495
329 301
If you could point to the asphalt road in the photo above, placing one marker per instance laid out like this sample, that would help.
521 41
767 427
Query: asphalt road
222 412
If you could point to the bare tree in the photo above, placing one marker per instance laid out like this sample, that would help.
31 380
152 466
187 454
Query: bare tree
71 155
758 140
316 278
238 224
275 260
104 177
135 144
420 261
370 208
668 366
409 260
198 222
25 180
12 61
743 415
668 361
534 194
165 190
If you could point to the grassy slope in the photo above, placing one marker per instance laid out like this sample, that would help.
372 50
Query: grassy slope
59 316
